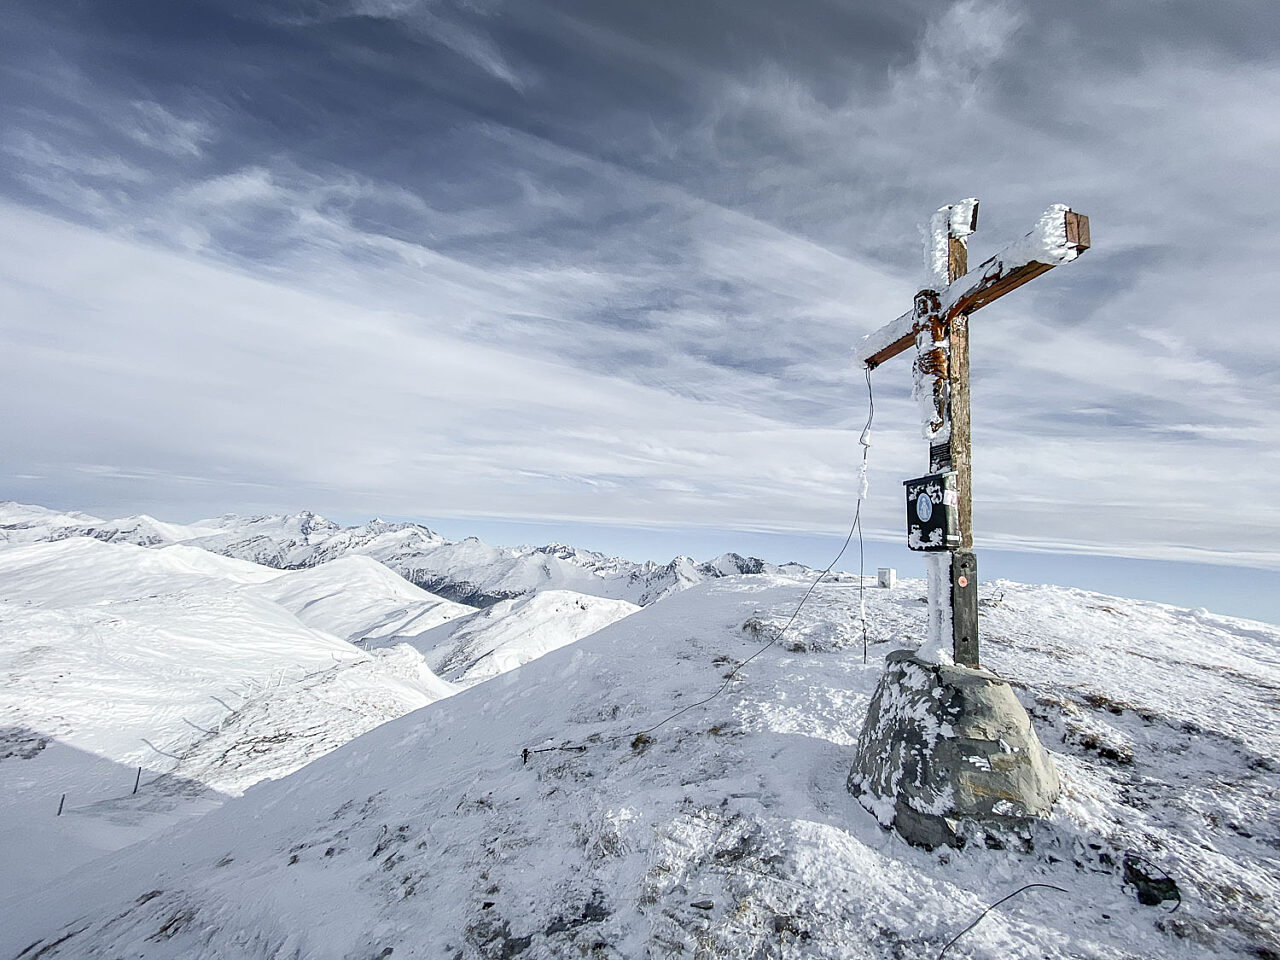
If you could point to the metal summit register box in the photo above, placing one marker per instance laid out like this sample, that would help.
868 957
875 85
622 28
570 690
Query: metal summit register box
932 523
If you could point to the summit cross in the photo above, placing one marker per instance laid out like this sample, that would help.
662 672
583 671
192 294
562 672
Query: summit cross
938 327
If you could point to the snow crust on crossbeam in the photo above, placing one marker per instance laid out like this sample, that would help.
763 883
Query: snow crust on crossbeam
1046 243
886 336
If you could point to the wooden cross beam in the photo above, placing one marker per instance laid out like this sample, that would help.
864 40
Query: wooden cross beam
1059 236
938 327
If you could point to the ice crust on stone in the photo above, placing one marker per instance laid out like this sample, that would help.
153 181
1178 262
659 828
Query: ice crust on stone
937 744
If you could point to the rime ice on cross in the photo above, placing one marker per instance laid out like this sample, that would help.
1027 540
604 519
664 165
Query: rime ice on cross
938 327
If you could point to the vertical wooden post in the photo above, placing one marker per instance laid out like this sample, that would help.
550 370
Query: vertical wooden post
137 780
964 565
958 378
957 258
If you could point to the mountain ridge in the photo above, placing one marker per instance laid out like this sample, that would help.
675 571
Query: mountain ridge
466 571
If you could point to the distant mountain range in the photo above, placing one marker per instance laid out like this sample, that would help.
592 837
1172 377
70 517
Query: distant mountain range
202 756
333 764
465 571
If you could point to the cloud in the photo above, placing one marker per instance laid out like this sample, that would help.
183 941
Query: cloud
624 281
34 153
310 391
459 26
154 126
958 46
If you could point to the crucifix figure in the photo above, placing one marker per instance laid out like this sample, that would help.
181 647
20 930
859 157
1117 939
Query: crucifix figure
938 327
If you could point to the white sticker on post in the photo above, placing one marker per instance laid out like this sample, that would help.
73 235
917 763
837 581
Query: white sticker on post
950 498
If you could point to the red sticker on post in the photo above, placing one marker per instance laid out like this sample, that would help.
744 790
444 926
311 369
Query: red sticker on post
963 581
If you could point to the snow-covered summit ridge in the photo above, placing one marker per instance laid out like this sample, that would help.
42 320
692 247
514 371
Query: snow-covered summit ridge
729 832
511 633
466 571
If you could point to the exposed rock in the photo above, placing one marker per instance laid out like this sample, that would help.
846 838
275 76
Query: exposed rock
948 752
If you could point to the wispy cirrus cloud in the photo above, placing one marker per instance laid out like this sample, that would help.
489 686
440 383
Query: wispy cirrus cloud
458 26
155 126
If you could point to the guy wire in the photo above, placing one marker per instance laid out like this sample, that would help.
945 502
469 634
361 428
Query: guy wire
856 525
862 610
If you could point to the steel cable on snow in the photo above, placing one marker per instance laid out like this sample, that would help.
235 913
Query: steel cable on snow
977 920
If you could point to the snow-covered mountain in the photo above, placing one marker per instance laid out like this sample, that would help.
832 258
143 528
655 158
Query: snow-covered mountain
208 672
359 600
466 571
26 523
511 633
211 673
727 831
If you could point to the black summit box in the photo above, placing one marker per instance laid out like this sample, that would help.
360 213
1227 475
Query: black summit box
932 523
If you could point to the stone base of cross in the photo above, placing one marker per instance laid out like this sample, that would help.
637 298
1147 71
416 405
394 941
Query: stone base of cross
938 327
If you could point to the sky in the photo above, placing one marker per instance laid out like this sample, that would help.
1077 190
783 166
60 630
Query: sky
594 271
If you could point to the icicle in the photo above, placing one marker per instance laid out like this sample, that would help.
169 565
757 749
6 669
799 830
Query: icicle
937 646
864 483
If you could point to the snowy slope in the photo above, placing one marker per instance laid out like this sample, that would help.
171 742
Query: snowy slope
18 517
466 571
727 831
360 600
131 654
111 644
511 633
274 730
190 665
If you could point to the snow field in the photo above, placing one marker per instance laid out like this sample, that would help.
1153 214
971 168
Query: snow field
178 661
211 673
359 600
511 633
727 831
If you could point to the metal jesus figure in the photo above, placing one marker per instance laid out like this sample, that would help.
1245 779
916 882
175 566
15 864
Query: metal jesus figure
940 505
